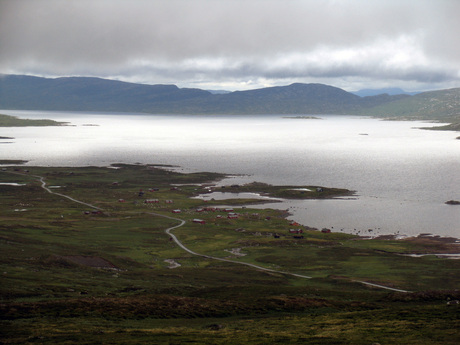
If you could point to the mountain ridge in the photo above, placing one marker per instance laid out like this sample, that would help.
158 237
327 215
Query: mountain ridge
98 94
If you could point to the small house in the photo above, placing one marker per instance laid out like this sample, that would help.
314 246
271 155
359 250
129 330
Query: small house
169 201
199 221
151 201
295 231
176 211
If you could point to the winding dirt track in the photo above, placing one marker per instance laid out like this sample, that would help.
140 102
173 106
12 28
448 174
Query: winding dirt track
182 222
42 180
180 244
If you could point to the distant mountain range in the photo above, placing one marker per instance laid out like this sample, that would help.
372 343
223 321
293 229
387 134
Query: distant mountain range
391 91
95 94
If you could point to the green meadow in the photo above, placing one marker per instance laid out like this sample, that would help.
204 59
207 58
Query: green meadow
106 272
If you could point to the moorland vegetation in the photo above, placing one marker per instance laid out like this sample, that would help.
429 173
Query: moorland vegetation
103 270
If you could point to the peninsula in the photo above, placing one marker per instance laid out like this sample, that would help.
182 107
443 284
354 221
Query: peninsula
13 121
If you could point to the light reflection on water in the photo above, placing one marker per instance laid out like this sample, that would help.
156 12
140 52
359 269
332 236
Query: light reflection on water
402 176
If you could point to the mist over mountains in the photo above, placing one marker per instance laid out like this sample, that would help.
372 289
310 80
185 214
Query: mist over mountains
96 94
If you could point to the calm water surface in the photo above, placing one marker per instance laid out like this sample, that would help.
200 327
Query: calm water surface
402 175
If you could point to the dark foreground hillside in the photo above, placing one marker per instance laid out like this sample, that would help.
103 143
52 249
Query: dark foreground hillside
104 270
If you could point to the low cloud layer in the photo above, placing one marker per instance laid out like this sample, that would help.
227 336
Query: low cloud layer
236 44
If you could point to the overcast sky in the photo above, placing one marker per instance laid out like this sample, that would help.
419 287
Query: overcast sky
236 44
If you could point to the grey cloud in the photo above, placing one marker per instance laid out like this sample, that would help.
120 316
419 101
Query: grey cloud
157 39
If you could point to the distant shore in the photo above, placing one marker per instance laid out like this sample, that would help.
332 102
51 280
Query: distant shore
13 121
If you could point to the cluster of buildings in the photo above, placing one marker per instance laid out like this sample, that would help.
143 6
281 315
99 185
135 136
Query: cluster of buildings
295 231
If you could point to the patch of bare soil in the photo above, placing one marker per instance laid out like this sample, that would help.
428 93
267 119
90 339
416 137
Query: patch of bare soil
90 261
236 252
172 263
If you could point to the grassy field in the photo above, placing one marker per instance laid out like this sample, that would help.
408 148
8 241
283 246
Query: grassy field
71 274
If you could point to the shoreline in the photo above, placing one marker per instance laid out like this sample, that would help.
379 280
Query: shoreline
265 201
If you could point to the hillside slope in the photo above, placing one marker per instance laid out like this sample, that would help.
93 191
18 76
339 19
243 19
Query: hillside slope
442 105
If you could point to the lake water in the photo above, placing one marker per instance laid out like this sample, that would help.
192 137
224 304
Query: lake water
402 175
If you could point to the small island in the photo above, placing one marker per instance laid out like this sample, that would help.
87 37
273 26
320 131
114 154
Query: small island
302 117
452 202
287 192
